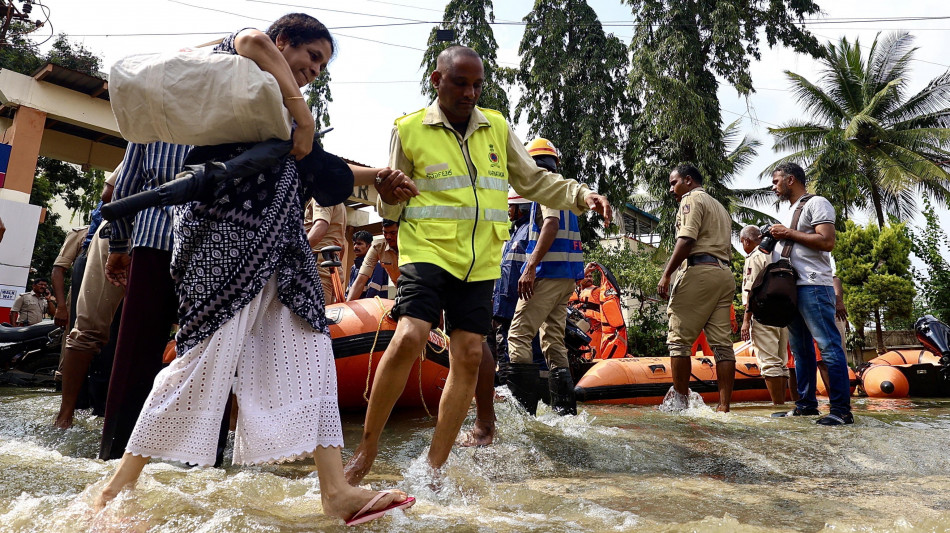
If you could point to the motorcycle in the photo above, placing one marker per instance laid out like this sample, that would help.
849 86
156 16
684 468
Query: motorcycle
29 355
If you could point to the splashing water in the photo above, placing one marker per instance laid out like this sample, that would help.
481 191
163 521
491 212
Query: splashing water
611 468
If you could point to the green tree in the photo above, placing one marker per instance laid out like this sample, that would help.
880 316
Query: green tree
874 266
739 153
679 52
471 20
573 81
80 190
319 98
23 55
867 144
638 272
931 245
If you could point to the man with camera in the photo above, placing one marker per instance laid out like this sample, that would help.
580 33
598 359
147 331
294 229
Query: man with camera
701 295
770 342
813 240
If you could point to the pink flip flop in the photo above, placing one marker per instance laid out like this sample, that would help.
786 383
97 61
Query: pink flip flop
365 514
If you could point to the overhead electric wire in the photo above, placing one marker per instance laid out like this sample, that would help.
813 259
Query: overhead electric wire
337 11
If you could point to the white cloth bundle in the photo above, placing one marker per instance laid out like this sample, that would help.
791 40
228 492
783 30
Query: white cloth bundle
196 98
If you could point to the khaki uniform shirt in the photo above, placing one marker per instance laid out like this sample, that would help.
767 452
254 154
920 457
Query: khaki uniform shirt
335 217
71 247
381 253
702 218
754 263
31 308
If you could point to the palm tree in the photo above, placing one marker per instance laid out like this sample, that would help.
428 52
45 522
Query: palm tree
867 146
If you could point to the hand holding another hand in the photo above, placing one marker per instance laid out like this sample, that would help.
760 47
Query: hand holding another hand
394 187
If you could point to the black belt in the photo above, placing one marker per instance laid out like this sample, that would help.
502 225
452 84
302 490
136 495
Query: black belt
702 259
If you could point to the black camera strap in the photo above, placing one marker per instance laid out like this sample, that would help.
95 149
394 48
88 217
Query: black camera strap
788 243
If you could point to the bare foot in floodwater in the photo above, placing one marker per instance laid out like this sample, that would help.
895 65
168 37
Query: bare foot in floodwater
483 434
358 466
63 421
722 408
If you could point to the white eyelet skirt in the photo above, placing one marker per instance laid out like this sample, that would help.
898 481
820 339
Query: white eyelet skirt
283 375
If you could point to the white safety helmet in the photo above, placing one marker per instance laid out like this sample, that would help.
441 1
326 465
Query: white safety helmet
515 198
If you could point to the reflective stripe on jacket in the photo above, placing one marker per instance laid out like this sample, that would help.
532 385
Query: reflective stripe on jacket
512 262
565 258
459 220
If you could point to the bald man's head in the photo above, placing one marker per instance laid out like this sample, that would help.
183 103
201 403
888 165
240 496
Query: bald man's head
458 78
450 55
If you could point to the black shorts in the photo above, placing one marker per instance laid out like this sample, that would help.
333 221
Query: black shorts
425 290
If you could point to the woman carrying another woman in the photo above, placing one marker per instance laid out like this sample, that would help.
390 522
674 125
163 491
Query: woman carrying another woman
252 312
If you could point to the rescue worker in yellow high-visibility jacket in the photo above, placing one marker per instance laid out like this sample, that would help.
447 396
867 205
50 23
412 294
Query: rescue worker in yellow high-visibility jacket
461 159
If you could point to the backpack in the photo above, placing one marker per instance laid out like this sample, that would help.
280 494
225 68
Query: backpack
773 298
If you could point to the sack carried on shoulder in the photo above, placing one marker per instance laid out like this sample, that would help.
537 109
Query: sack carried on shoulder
196 98
773 298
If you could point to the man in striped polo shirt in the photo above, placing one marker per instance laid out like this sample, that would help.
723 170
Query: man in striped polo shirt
140 254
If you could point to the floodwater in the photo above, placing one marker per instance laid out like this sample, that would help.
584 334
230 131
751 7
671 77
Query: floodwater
612 468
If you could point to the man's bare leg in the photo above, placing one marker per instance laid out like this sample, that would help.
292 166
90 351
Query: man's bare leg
725 378
75 366
823 372
776 387
681 367
406 346
484 431
464 359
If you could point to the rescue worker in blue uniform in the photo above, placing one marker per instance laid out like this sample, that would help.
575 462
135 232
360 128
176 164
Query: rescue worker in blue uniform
505 297
554 263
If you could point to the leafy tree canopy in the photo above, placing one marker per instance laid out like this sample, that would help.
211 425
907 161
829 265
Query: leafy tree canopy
319 98
23 55
931 245
678 50
868 145
573 80
637 272
874 266
471 21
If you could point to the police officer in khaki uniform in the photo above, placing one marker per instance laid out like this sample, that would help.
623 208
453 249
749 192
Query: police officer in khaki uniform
385 253
704 287
325 226
29 307
770 342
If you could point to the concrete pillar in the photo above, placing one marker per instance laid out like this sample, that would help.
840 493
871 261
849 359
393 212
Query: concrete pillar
25 137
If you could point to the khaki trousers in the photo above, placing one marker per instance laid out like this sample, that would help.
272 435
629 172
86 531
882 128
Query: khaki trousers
546 312
700 301
771 349
98 300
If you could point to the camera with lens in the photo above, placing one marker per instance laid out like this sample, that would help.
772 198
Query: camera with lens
768 241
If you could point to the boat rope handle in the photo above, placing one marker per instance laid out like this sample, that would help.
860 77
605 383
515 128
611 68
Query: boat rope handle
372 350
422 396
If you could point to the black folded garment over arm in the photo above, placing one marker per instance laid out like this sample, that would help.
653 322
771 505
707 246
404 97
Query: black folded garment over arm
323 176
200 182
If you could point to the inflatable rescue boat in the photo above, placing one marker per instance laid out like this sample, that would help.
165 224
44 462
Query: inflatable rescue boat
361 330
920 372
646 380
